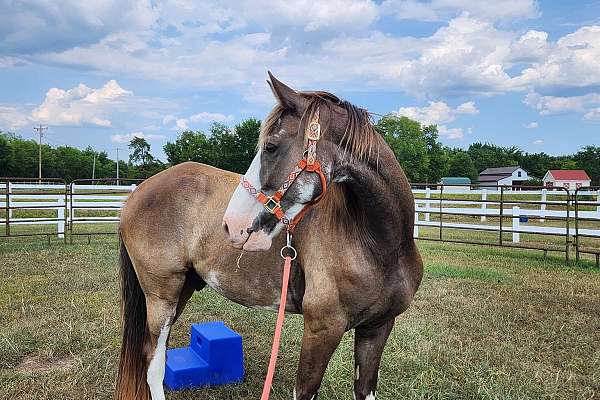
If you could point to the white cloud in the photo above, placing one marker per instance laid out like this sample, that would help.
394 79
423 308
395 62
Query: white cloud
451 133
334 44
436 10
467 108
553 105
126 138
80 105
538 142
532 125
593 115
12 119
182 124
437 112
211 117
58 26
570 64
533 46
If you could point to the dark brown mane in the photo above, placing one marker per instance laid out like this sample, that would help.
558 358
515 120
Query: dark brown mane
359 136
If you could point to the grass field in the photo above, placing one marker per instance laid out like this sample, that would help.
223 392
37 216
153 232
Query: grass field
486 324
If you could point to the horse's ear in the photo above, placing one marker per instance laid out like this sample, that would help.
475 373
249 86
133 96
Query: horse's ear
285 95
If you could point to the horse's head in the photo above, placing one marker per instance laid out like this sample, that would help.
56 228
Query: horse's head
283 142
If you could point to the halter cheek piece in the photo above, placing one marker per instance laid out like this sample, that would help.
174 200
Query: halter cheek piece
308 163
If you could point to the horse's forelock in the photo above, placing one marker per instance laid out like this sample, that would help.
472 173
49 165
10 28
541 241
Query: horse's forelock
359 134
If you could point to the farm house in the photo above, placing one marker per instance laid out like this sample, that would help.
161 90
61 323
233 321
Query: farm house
503 176
571 179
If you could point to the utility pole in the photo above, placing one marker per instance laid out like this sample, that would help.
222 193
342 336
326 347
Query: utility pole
118 166
40 129
94 169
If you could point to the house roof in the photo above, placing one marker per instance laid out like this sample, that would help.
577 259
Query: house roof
456 180
569 174
499 171
492 178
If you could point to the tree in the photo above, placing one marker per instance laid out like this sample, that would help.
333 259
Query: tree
461 164
140 156
140 151
588 159
189 146
230 149
417 148
489 155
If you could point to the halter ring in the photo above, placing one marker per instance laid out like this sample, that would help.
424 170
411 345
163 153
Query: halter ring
292 251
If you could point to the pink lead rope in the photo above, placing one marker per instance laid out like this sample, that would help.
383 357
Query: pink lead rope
277 338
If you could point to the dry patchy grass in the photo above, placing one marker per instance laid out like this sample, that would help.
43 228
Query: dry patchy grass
486 324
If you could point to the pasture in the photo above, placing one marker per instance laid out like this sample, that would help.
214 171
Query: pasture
486 324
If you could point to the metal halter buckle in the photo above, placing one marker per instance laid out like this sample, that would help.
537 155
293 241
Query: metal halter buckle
271 205
314 131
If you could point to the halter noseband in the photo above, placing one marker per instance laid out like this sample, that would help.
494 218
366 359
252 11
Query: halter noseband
309 163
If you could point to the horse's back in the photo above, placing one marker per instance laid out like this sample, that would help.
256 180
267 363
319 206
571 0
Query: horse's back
182 203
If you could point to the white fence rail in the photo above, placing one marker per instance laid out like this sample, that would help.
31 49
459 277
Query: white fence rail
83 197
23 196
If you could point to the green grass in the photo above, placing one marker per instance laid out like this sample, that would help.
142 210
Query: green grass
486 324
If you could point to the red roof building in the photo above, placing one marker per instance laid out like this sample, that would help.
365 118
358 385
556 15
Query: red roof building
571 179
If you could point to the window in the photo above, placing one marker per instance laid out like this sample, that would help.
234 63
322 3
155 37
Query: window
519 174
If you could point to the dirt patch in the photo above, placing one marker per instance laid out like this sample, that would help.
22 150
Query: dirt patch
37 366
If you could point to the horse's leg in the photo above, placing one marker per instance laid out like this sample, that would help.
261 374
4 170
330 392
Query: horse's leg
369 342
161 314
192 283
322 334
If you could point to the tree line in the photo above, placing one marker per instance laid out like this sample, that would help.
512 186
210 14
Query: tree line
417 148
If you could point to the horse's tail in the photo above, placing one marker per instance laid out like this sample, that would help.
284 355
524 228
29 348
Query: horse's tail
133 365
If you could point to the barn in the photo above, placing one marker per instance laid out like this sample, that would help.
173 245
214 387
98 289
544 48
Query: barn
498 176
571 179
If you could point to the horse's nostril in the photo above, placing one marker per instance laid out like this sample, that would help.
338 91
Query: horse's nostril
249 231
226 228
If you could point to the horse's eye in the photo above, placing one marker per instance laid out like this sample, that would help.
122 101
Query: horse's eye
270 147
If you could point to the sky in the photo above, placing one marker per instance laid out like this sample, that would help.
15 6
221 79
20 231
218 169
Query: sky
520 73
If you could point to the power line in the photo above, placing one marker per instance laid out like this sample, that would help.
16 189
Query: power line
40 129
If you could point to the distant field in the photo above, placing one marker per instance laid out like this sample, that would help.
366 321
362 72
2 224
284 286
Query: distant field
486 324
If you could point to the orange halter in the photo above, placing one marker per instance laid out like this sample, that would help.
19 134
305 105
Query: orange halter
308 163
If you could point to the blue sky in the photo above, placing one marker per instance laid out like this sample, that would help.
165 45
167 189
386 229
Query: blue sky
516 72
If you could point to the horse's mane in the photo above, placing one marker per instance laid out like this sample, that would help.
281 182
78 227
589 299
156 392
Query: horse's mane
359 136
359 141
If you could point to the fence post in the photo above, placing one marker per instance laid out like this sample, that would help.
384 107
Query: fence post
483 204
516 224
427 204
60 224
543 205
598 201
416 228
10 192
7 208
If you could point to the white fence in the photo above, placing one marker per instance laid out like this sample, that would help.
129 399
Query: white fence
428 203
84 197
24 196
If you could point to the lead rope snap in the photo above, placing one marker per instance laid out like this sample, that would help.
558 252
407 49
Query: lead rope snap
291 250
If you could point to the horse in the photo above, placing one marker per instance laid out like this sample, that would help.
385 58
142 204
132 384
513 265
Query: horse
357 264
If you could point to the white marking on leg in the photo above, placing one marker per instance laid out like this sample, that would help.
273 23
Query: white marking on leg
294 393
370 396
156 369
357 376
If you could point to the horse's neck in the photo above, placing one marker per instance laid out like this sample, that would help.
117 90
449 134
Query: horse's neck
381 203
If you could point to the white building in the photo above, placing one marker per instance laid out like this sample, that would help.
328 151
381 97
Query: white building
503 176
570 179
